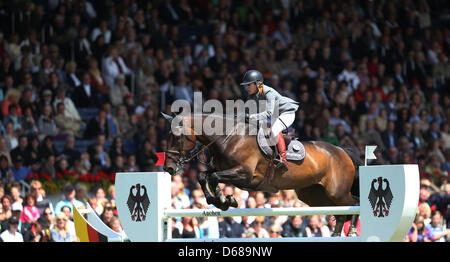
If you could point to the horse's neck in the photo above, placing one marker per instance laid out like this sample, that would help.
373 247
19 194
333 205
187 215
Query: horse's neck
208 139
218 140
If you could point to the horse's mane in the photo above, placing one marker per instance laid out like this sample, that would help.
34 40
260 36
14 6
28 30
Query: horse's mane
235 120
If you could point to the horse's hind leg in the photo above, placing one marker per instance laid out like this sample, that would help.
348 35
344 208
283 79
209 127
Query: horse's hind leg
316 195
352 231
340 220
338 183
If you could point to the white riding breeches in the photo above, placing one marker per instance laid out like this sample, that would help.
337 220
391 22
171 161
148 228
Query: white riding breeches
284 121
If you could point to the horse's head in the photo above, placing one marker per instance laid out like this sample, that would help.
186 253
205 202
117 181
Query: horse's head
180 142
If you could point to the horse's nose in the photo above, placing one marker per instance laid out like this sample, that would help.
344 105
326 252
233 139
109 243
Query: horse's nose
169 170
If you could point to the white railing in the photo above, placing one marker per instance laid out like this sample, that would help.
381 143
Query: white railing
302 211
279 239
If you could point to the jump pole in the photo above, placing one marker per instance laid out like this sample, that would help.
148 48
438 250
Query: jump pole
391 226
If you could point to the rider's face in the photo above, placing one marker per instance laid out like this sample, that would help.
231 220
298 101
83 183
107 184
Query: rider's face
251 88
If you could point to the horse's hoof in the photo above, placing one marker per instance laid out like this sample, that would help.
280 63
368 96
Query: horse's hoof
336 235
224 207
232 201
352 232
210 200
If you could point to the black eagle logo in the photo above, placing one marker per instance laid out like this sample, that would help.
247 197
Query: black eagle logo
138 203
380 199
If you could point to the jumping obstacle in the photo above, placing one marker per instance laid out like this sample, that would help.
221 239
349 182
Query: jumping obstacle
93 229
389 198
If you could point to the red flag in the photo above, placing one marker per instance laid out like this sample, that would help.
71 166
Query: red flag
161 159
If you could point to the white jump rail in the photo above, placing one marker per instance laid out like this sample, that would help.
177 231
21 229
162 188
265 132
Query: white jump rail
280 239
391 227
302 211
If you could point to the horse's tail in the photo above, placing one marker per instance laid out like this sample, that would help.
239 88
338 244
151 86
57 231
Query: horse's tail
356 163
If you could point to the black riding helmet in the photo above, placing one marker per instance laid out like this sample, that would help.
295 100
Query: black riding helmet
251 76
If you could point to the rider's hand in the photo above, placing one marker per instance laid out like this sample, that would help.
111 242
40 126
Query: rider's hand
252 117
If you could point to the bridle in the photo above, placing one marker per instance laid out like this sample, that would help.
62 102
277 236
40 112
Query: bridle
180 160
177 156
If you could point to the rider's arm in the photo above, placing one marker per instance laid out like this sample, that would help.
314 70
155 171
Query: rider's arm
270 107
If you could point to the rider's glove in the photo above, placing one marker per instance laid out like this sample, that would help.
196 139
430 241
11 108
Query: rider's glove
252 117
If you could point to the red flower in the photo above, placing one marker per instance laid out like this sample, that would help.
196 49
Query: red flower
93 178
46 177
58 175
424 174
102 174
36 175
112 177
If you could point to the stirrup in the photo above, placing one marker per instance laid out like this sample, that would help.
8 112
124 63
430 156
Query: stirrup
280 165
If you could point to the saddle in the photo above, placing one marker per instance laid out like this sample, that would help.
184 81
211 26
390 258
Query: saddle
295 151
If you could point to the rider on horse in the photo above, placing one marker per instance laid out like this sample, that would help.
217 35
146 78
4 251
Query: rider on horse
253 82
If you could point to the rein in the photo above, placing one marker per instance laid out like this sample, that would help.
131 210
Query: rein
181 160
212 142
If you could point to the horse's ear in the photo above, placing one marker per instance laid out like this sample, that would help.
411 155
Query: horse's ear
167 117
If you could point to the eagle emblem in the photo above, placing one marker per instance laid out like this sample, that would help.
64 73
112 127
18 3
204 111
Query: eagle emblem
138 203
380 199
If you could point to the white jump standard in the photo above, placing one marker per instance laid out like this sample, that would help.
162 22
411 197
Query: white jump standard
389 197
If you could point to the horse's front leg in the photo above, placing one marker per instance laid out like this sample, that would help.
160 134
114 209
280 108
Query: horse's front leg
214 194
235 176
208 190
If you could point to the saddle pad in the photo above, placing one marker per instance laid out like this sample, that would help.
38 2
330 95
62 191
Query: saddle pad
295 151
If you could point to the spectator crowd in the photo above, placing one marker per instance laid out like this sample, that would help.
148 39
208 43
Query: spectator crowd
82 85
